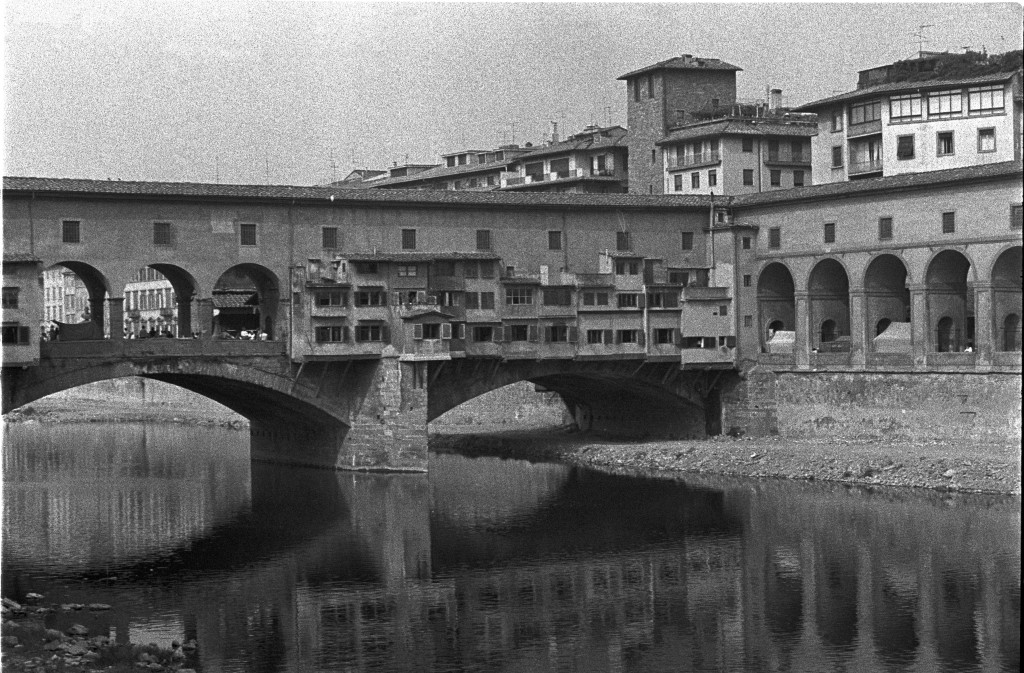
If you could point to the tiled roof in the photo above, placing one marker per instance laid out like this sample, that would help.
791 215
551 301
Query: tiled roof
684 62
884 184
16 257
416 256
234 299
905 86
207 191
582 141
437 173
742 127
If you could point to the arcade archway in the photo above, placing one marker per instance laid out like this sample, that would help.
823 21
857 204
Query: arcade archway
950 306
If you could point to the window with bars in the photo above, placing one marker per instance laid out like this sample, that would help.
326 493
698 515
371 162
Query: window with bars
329 237
747 280
949 222
408 239
885 228
71 231
161 233
247 234
483 239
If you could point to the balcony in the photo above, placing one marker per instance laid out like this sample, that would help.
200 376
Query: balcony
434 349
705 293
865 167
787 159
697 160
695 358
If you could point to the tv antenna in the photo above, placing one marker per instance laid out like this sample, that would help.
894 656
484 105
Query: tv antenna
921 39
334 168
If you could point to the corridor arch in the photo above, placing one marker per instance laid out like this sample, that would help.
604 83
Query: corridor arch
776 301
950 307
158 299
74 293
1006 300
247 297
828 294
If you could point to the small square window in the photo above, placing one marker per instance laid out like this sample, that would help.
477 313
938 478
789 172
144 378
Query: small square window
949 223
885 228
776 178
695 180
748 321
161 233
483 239
10 297
554 240
723 309
247 234
408 239
746 243
654 156
986 140
837 120
622 241
748 176
830 232
944 143
837 156
329 237
687 240
748 144
775 238
71 231
1016 216
905 147
747 280
677 182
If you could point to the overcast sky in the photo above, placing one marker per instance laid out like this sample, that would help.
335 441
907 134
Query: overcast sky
257 92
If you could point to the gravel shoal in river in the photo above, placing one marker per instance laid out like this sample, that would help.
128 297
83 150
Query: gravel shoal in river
980 468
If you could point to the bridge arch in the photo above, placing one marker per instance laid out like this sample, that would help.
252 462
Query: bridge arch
247 297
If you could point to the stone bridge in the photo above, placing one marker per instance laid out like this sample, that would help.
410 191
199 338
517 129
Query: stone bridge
371 413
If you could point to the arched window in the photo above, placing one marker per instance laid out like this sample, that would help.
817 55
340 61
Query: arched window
947 339
882 325
828 331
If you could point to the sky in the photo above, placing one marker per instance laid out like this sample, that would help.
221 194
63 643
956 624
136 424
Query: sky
301 93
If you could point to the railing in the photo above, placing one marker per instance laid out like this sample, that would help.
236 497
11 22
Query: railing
787 158
691 160
870 166
160 347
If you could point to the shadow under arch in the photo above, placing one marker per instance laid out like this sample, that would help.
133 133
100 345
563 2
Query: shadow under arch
96 285
259 313
776 301
828 294
950 312
886 296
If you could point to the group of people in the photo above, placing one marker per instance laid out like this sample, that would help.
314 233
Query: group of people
245 335
151 334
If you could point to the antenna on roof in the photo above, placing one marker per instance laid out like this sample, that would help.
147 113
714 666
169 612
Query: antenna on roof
216 170
266 159
921 39
334 167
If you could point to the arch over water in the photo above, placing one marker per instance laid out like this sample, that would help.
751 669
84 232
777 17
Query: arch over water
950 309
1006 300
247 297
776 300
829 301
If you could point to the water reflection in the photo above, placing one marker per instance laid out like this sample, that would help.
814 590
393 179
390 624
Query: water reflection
492 565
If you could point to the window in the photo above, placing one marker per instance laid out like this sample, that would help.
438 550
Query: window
796 150
712 178
986 140
885 228
902 108
518 296
481 333
949 223
483 239
595 298
865 112
369 298
628 300
1016 216
10 297
369 333
329 237
535 170
636 90
247 234
71 231
830 232
773 150
723 309
554 240
798 178
837 120
487 301
408 239
623 267
560 167
594 336
664 335
331 298
944 103
427 331
748 144
677 182
650 86
517 332
747 280
775 238
487 269
161 233
331 333
776 178
406 270
14 333
444 269
558 334
837 156
622 241
472 300
905 147
985 99
687 240
557 297
654 156
748 321
365 268
627 336
695 180
944 143
748 176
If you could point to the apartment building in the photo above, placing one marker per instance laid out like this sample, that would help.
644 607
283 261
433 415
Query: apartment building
937 112
744 149
149 304
477 170
593 161
21 309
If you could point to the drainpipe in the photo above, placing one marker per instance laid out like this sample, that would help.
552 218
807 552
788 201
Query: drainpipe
711 225
31 226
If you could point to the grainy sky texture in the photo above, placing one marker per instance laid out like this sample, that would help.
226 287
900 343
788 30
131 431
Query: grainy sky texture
257 92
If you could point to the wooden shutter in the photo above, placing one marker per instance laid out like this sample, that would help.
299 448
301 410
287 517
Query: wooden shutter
346 334
547 333
609 336
421 297
385 333
508 333
498 334
417 331
533 333
641 337
618 336
446 330
574 335
641 300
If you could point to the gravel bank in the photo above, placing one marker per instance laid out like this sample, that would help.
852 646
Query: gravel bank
978 468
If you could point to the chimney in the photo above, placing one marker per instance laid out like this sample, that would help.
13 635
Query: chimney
554 132
775 100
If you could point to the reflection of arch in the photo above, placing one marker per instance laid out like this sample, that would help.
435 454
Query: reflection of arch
828 294
776 301
886 297
247 297
950 313
1006 299
96 286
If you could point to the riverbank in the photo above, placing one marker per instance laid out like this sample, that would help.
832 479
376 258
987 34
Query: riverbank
977 468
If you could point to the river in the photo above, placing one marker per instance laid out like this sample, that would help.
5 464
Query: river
487 564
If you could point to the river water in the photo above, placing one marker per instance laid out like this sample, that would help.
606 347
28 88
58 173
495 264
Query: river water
498 565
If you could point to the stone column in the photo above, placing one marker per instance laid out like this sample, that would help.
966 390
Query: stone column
204 318
184 305
858 329
96 311
116 309
984 338
919 325
802 347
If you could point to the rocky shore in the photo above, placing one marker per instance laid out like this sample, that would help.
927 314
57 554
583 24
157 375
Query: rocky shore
975 468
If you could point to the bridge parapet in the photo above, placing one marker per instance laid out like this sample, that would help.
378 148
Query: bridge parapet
142 348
